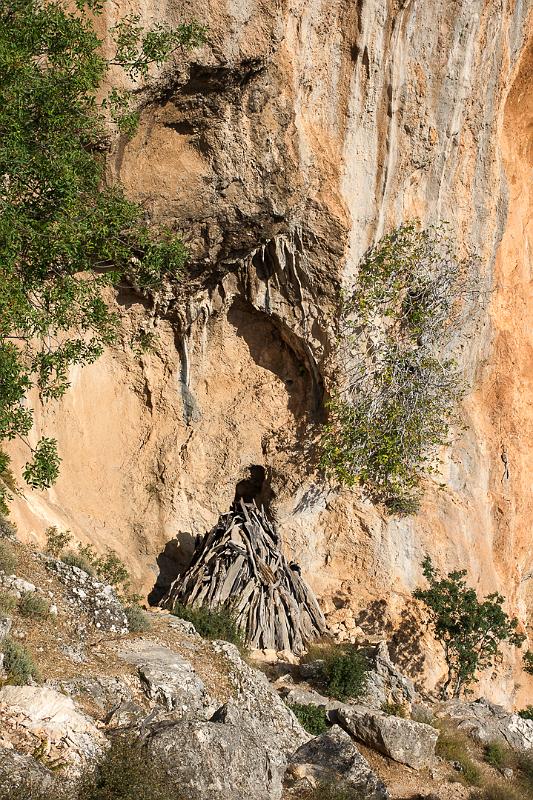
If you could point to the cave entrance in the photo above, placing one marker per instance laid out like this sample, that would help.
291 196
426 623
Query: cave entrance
255 488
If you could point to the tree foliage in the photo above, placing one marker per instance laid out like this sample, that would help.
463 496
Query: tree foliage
65 235
399 397
470 631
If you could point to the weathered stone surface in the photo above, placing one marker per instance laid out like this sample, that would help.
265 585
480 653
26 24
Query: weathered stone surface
486 722
16 768
53 717
5 626
219 759
16 585
168 678
96 599
403 740
256 697
385 683
333 756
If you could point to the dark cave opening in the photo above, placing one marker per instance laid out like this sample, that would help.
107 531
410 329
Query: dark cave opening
255 488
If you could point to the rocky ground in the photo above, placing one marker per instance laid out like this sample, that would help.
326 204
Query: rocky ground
217 721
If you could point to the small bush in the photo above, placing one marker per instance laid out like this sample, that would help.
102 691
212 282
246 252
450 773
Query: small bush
8 559
126 772
497 754
498 791
526 713
7 529
211 624
137 620
394 709
8 602
312 718
344 671
57 541
76 560
33 605
18 663
452 746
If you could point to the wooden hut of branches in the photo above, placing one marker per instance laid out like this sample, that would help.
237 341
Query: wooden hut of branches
239 564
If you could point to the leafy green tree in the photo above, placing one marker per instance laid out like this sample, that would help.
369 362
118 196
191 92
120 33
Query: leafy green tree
65 234
396 400
470 631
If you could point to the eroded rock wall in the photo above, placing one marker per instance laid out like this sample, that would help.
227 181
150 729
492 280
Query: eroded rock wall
283 149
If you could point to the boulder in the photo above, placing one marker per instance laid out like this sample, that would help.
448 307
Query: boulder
224 758
52 718
333 758
385 683
486 722
403 740
274 722
98 600
17 769
5 626
168 678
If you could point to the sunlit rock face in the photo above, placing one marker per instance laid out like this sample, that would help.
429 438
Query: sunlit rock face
283 149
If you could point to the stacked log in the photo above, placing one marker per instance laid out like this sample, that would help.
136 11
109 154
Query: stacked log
239 564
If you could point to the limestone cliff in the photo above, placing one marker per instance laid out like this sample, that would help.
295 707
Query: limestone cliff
282 149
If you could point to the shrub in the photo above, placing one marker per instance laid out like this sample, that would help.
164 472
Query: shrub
527 659
211 623
343 671
57 541
312 718
396 405
8 559
137 620
8 602
453 747
470 630
498 791
394 709
497 754
126 772
18 663
7 529
76 560
33 605
526 713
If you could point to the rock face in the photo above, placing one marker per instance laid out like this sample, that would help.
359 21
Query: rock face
168 678
403 740
283 149
96 599
332 757
51 718
226 758
256 697
486 722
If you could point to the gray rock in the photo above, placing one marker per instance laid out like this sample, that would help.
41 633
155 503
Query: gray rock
5 626
105 692
16 585
168 678
306 697
182 625
405 741
333 757
98 600
485 722
219 759
274 722
17 769
385 683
